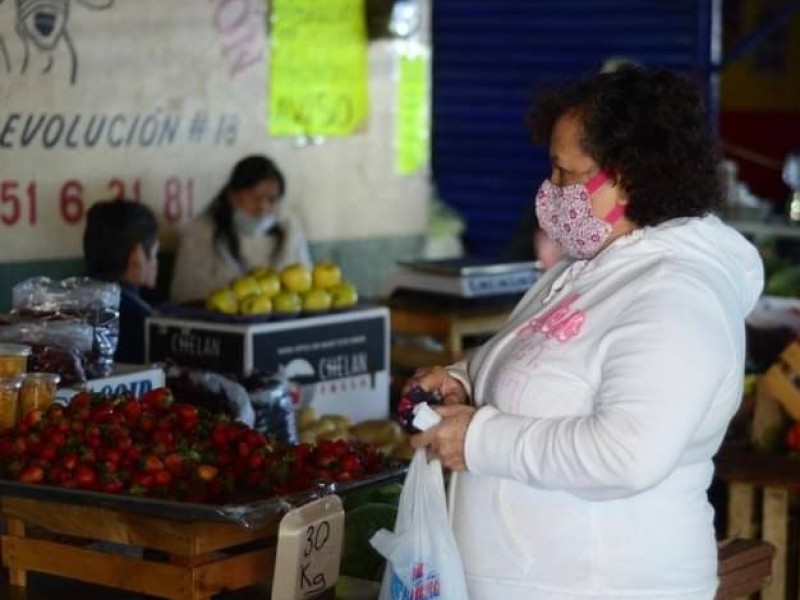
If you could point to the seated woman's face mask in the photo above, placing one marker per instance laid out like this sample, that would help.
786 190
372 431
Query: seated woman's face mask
248 225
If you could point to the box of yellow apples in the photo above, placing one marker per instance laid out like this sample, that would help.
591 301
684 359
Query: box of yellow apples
337 349
292 291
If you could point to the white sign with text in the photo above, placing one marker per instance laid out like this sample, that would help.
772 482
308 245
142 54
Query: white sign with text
309 549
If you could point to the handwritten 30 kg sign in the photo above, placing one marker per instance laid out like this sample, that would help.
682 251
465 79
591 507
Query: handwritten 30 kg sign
309 549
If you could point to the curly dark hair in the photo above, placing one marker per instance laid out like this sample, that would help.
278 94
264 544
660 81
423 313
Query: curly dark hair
648 128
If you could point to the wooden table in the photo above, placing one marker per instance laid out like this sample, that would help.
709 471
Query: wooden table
448 320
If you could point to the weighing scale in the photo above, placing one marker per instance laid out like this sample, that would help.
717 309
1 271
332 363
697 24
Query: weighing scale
464 277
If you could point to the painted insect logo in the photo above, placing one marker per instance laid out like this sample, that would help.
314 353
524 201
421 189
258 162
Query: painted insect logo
37 39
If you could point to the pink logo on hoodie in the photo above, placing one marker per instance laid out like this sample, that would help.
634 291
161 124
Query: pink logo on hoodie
561 323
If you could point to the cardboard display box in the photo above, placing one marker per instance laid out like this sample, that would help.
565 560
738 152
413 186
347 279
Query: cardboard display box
340 359
134 379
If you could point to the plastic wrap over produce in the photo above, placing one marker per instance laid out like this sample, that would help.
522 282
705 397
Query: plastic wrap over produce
213 392
249 514
62 347
272 397
93 302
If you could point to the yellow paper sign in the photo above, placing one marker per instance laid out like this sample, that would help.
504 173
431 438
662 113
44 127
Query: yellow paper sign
318 54
412 126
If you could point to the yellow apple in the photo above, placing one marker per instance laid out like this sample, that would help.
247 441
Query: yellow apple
255 304
344 295
287 303
296 278
245 286
223 300
316 299
326 274
259 272
270 284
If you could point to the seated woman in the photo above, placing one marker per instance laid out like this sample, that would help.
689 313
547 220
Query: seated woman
240 230
120 244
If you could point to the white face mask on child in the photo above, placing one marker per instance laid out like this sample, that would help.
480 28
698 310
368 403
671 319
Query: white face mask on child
250 226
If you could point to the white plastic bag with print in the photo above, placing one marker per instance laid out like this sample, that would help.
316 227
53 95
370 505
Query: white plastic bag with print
423 562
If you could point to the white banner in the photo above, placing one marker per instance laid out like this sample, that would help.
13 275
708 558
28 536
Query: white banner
152 100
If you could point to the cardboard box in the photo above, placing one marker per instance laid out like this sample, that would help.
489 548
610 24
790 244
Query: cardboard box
134 379
340 359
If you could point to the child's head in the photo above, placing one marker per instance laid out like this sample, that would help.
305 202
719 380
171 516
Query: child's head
120 243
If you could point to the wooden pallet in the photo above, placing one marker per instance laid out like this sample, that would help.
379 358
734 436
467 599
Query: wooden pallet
745 568
193 561
763 502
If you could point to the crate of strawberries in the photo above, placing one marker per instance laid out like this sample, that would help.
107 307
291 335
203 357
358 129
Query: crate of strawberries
171 459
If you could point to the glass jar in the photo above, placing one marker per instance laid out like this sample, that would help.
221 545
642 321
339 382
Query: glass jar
14 359
9 401
38 391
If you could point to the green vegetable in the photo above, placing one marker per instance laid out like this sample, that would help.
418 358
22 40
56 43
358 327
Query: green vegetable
359 558
785 282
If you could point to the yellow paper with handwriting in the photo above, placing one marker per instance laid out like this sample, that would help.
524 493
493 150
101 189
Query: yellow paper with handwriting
412 123
318 67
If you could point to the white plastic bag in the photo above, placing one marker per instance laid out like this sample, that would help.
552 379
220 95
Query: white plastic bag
422 557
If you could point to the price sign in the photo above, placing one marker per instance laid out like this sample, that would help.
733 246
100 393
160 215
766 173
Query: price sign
309 549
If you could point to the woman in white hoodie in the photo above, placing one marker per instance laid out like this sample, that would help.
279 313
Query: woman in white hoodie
583 432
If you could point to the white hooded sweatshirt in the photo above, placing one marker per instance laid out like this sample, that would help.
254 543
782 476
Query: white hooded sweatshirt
603 400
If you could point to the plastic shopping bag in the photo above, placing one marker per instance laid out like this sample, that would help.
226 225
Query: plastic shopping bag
423 562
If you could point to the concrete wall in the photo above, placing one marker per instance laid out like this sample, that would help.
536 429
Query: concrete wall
357 211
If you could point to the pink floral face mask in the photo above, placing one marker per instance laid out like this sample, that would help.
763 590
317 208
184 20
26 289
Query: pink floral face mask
565 214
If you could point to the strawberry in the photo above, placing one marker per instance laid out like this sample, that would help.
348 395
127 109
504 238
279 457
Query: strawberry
175 464
112 485
131 410
162 477
351 464
58 475
147 422
33 418
48 452
157 399
151 463
207 472
80 400
184 412
31 474
102 412
70 462
85 476
256 461
219 436
142 479
163 437
55 413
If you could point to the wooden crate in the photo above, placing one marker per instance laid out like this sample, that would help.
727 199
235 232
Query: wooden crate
745 568
763 503
194 560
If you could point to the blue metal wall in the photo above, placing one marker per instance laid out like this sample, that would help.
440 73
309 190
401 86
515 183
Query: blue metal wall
490 57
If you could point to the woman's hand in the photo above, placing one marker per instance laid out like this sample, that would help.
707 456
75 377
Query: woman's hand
445 440
438 379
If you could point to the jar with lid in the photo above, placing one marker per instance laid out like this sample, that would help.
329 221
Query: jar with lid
38 391
9 401
14 359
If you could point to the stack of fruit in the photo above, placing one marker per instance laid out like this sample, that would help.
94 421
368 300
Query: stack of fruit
158 448
296 288
387 435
